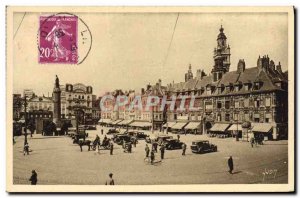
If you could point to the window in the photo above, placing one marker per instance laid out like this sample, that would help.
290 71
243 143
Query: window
236 104
237 88
268 117
219 105
256 103
208 105
268 102
235 116
227 104
227 117
256 117
219 118
246 87
247 118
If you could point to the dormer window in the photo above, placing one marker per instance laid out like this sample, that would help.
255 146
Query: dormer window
228 88
236 88
257 85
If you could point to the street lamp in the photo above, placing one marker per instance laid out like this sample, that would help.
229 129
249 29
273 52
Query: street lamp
21 103
77 109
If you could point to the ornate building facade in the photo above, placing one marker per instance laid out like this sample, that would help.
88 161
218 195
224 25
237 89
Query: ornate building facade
256 95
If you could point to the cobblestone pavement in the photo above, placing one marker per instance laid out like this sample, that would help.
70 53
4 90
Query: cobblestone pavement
58 161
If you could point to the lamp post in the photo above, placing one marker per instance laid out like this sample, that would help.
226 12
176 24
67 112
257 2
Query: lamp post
77 109
24 102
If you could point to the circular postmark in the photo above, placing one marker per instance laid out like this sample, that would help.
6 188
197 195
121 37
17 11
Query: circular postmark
63 38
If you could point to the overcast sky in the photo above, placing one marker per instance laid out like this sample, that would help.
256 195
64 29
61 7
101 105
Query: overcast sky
130 50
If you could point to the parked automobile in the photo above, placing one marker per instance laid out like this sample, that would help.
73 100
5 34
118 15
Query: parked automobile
203 146
120 138
162 138
172 144
90 127
112 131
137 134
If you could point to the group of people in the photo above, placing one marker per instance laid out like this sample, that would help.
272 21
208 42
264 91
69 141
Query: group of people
106 142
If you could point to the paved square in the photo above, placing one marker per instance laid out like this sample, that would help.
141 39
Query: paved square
58 161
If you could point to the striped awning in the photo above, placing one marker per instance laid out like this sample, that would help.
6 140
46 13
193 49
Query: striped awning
192 125
219 127
261 127
107 121
125 122
179 125
116 122
141 124
235 127
169 124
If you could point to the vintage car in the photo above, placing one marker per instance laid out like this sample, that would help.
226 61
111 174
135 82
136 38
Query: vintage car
137 134
162 138
173 144
120 138
90 127
112 131
203 146
159 139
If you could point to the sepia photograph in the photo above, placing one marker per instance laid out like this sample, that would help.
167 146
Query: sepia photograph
150 99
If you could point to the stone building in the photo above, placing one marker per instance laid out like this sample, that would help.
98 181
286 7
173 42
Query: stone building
78 95
226 99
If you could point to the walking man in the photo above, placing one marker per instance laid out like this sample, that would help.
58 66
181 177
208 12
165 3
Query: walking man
26 149
147 150
162 151
152 156
111 148
178 137
230 164
33 178
101 131
183 148
110 180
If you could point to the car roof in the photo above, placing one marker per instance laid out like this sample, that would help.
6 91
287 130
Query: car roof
200 141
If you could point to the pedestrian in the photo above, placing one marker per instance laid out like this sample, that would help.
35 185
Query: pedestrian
26 149
101 131
184 132
147 150
110 180
129 147
152 156
230 164
162 151
155 147
33 177
134 141
183 148
178 137
252 141
111 148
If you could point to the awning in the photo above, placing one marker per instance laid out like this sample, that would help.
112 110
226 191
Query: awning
169 124
141 124
192 125
219 127
261 127
116 122
235 127
125 122
179 125
107 121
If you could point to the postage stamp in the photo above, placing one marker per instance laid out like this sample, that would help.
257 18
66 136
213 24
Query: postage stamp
58 39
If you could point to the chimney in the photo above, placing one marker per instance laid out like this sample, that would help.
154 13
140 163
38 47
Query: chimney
241 66
200 74
272 65
148 86
278 68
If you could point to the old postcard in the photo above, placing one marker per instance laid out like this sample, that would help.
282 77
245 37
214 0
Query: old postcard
150 99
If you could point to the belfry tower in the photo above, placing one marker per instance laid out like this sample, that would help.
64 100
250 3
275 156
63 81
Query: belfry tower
57 103
221 56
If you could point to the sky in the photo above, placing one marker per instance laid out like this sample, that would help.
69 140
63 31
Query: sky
130 51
